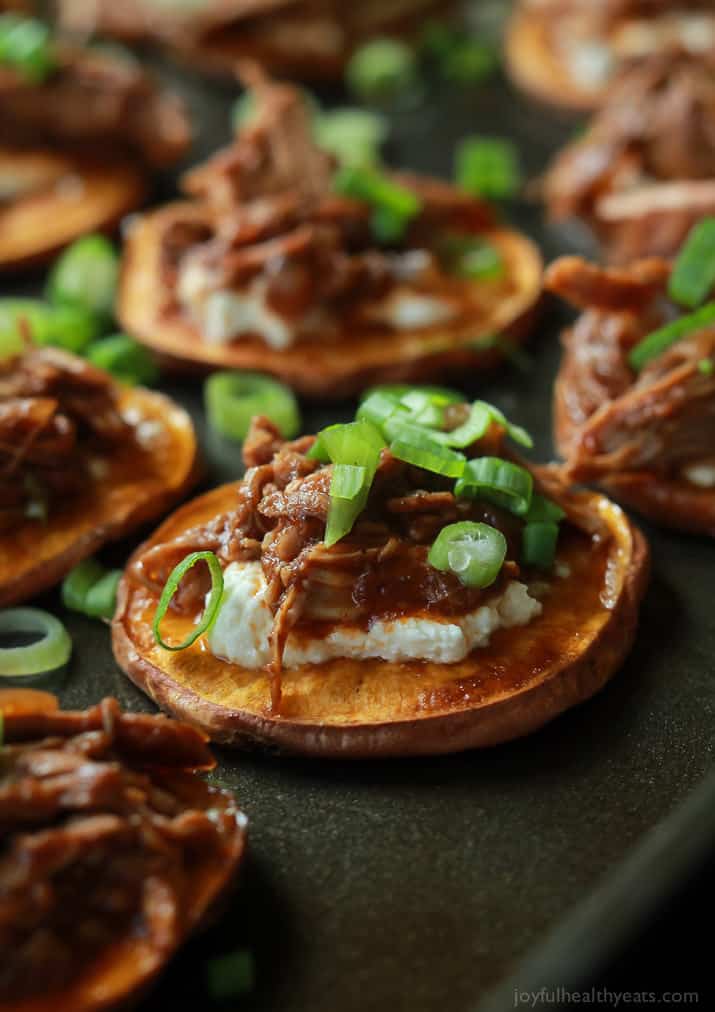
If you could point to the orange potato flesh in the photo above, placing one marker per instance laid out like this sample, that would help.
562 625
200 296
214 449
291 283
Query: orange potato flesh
35 555
86 196
535 66
343 367
348 708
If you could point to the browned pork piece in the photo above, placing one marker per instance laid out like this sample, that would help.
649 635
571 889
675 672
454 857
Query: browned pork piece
644 173
112 851
362 647
78 145
568 52
82 460
647 436
268 267
304 38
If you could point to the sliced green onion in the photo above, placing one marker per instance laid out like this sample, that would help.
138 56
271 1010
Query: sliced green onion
382 70
230 976
101 601
693 275
11 344
125 359
706 366
475 553
48 653
442 395
86 275
76 585
538 544
498 481
26 46
212 606
515 432
417 447
543 510
660 340
91 590
353 136
394 206
355 450
482 263
68 327
458 56
475 427
348 481
233 398
379 406
488 167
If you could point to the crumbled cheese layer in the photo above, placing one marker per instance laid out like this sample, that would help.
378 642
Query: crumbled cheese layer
240 633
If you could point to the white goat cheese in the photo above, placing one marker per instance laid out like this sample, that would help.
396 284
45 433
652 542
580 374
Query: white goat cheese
240 633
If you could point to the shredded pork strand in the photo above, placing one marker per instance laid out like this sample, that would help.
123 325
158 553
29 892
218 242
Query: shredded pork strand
659 420
56 412
102 825
644 172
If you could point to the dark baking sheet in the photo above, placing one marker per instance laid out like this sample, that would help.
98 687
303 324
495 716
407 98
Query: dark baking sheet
440 884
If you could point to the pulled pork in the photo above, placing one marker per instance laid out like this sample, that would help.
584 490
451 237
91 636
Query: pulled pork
98 99
609 419
379 570
269 214
645 170
104 831
58 413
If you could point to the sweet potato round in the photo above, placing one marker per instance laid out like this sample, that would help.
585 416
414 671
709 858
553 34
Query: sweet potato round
536 68
354 709
90 196
317 368
34 556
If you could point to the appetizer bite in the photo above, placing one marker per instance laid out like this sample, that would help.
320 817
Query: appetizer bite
568 52
83 460
112 851
635 395
327 278
82 129
302 38
399 585
644 172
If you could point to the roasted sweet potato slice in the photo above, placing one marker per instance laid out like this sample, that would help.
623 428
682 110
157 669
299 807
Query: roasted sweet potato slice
361 709
338 368
535 66
113 852
36 554
66 196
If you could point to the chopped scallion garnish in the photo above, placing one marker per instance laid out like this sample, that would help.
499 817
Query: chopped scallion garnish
394 206
91 589
488 167
693 275
382 70
48 653
497 481
86 275
125 359
474 552
706 366
233 398
660 340
538 544
212 605
26 46
417 447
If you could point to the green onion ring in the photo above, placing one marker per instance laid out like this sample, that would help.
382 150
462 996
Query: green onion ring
233 398
693 274
538 544
473 552
50 652
660 340
498 481
210 611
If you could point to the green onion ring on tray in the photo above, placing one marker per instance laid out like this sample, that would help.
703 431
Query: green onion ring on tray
233 398
172 584
48 653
